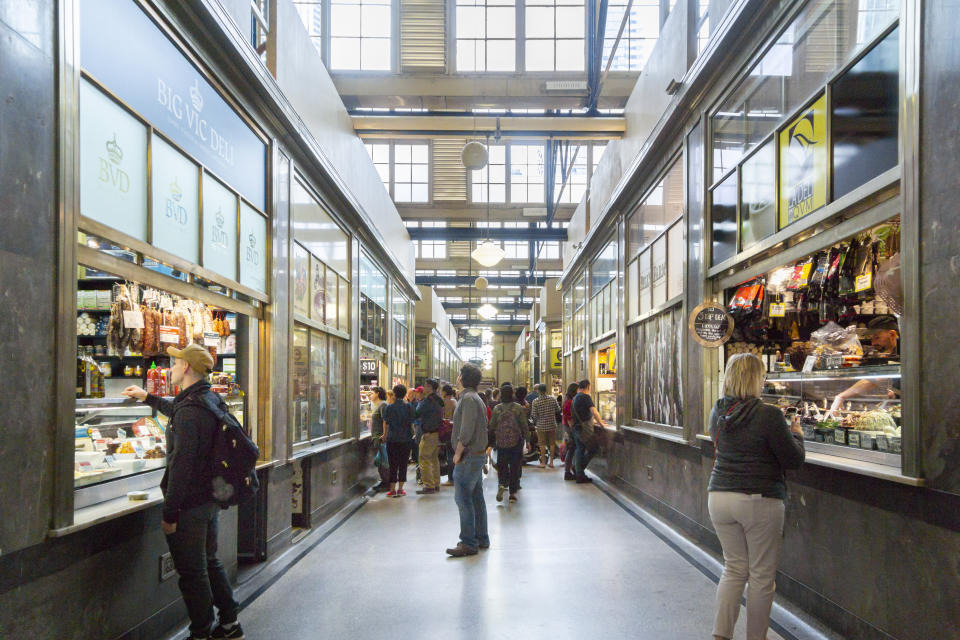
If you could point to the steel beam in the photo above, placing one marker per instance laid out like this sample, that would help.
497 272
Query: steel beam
530 234
505 307
493 323
432 281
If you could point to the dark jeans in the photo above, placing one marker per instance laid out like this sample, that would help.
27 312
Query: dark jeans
414 445
450 465
509 464
203 582
583 455
468 494
569 452
399 455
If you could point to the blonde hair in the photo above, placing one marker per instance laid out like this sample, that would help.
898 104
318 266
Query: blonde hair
744 377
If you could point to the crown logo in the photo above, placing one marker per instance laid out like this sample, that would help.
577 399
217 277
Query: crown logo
175 191
253 240
195 96
114 150
219 218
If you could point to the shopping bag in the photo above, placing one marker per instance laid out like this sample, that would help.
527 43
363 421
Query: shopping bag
381 459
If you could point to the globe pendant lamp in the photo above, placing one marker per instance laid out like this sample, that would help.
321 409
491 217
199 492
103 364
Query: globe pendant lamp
487 311
474 331
488 254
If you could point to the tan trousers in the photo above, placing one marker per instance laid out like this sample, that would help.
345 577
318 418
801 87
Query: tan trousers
429 460
750 528
546 440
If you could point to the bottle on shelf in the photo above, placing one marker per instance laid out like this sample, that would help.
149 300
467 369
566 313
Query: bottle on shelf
153 378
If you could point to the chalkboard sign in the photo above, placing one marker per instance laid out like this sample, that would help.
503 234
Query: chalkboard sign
368 367
711 325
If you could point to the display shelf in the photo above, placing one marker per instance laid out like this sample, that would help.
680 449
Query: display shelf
87 310
880 371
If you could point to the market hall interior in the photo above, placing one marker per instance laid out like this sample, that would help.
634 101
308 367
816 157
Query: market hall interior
318 199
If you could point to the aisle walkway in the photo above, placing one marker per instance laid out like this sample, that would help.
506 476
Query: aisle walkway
565 562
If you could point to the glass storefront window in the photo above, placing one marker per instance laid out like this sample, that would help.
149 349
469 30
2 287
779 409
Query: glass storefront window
758 198
656 382
723 220
332 289
319 382
301 384
819 40
866 94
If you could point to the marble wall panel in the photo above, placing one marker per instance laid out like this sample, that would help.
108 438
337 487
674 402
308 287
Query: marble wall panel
939 247
27 267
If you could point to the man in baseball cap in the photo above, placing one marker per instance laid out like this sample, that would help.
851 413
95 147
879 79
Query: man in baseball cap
190 516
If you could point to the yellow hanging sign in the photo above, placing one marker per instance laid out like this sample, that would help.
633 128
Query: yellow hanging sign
803 163
555 361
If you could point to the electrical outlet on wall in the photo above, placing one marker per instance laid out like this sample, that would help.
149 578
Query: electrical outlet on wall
649 472
167 570
333 476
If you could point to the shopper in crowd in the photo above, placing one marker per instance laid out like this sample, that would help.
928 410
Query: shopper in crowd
544 412
399 418
378 398
753 446
520 396
449 408
586 421
470 445
416 397
570 445
494 398
508 432
430 413
533 395
189 515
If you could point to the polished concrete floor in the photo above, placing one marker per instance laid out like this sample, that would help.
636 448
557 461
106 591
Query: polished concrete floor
565 562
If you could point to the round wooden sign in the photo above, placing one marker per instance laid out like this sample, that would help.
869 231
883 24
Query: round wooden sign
711 325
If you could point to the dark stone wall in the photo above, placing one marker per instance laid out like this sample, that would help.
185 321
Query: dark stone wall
939 247
856 549
28 255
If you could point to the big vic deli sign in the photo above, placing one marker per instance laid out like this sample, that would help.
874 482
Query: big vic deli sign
122 49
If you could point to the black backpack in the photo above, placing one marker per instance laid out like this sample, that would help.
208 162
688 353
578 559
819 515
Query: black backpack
233 457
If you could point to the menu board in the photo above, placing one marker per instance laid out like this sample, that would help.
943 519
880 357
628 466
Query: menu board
711 325
253 248
175 184
301 280
219 228
113 164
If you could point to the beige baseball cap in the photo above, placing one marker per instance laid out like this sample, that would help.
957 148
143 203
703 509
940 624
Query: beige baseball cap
196 356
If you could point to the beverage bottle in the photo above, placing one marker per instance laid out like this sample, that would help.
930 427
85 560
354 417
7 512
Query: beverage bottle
152 377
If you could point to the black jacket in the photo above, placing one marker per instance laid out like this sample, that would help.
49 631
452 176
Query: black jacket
753 448
187 480
430 412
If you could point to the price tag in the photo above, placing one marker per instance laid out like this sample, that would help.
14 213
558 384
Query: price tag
778 310
132 320
169 334
84 467
100 445
138 450
211 339
862 283
95 434
110 461
809 363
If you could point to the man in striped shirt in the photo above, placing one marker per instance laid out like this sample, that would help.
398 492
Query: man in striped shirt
544 414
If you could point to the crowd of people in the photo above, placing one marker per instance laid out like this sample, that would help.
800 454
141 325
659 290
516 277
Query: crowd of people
415 427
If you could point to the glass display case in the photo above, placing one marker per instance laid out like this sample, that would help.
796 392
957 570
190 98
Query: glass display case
606 391
116 437
855 409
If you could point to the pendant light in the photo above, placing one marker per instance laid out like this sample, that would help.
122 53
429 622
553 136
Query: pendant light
487 253
487 311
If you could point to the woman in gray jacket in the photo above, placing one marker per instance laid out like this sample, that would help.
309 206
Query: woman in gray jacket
753 446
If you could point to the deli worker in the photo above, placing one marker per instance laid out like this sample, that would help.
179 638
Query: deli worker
885 338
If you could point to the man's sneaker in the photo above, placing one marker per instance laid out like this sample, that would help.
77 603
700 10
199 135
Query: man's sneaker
569 476
461 550
427 491
513 497
234 633
584 480
500 491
